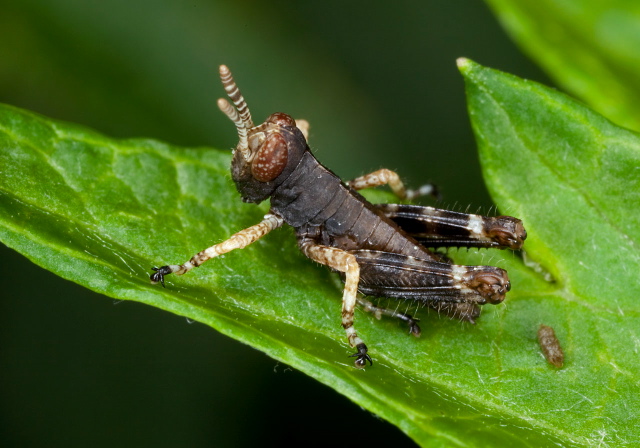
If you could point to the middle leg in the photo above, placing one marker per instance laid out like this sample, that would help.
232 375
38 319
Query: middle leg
344 262
391 178
379 311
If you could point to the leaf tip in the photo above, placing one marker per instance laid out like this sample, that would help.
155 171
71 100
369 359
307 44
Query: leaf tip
464 64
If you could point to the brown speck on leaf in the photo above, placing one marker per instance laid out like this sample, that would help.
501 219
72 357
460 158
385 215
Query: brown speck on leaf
550 346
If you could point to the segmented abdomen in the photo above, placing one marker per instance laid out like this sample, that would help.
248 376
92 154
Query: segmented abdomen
319 205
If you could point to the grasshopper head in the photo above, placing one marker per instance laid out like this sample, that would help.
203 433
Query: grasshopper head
264 152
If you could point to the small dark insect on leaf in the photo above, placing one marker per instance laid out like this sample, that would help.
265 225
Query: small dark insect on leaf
380 250
550 346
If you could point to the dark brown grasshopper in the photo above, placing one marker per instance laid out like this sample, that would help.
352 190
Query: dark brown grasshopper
380 250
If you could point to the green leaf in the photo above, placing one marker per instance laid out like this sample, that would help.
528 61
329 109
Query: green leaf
590 48
101 212
574 179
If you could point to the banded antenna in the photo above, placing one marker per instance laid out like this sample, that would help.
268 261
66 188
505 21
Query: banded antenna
240 115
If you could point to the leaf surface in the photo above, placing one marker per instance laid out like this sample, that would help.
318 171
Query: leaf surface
101 212
574 179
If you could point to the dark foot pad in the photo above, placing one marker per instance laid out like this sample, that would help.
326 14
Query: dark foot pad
158 276
361 357
414 328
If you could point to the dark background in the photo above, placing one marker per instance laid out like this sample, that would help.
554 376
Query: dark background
379 84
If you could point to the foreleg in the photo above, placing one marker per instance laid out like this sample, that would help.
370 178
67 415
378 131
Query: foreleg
391 178
238 241
346 263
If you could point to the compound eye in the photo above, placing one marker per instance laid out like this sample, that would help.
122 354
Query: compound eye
271 159
281 119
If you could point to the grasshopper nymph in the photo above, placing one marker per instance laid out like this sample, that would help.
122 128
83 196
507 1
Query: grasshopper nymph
380 250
